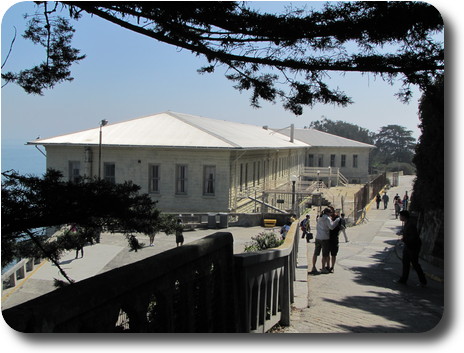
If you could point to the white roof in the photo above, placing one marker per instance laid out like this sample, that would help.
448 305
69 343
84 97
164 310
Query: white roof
170 129
316 138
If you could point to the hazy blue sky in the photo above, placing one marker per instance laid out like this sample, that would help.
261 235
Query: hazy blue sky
127 75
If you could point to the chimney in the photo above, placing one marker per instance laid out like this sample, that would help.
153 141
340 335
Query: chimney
292 133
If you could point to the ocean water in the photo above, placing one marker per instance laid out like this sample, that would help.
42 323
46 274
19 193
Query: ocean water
25 159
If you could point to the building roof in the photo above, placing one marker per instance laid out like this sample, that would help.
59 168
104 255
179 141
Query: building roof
170 129
316 138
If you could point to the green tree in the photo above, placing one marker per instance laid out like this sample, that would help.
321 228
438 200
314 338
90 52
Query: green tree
394 144
430 151
30 204
344 129
284 56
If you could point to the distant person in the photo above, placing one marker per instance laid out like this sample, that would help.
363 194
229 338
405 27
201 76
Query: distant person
343 226
179 234
324 225
405 200
378 198
81 248
78 239
398 204
385 200
285 228
412 246
151 236
333 241
305 227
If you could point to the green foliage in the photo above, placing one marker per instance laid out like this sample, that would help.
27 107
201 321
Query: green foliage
428 191
394 144
263 241
344 129
30 203
55 35
286 56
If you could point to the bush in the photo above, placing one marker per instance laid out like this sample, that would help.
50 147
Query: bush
264 240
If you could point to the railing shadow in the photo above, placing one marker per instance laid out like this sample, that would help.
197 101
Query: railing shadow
412 308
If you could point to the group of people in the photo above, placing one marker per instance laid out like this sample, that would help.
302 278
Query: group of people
329 225
398 202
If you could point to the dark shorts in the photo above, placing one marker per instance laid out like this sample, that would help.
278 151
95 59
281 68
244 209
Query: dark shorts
321 245
333 246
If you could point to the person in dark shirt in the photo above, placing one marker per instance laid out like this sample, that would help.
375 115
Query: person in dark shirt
412 246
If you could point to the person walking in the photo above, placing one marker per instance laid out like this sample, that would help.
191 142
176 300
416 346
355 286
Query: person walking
405 200
285 228
398 204
412 246
179 234
385 200
305 227
324 225
343 227
378 198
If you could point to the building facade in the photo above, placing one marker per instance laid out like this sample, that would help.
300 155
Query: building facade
191 164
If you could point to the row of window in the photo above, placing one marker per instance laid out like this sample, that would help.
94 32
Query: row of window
318 161
252 173
154 177
181 179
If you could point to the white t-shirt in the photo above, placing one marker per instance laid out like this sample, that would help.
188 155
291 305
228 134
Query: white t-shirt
324 226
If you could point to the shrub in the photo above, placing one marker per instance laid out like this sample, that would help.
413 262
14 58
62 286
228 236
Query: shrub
264 240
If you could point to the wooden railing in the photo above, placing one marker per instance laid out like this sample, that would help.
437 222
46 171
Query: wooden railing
199 287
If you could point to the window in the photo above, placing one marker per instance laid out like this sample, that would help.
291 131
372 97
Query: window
355 161
154 178
209 178
320 160
332 160
254 174
258 176
241 176
310 160
181 179
74 171
109 172
343 161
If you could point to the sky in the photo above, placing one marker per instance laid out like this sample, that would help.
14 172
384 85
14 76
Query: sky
126 76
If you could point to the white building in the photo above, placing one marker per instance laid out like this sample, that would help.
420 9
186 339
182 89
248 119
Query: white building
195 164
349 157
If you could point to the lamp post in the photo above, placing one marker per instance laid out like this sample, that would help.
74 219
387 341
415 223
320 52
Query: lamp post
293 179
318 172
102 123
318 193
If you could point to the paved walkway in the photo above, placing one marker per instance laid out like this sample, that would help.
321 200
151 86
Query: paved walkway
360 296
